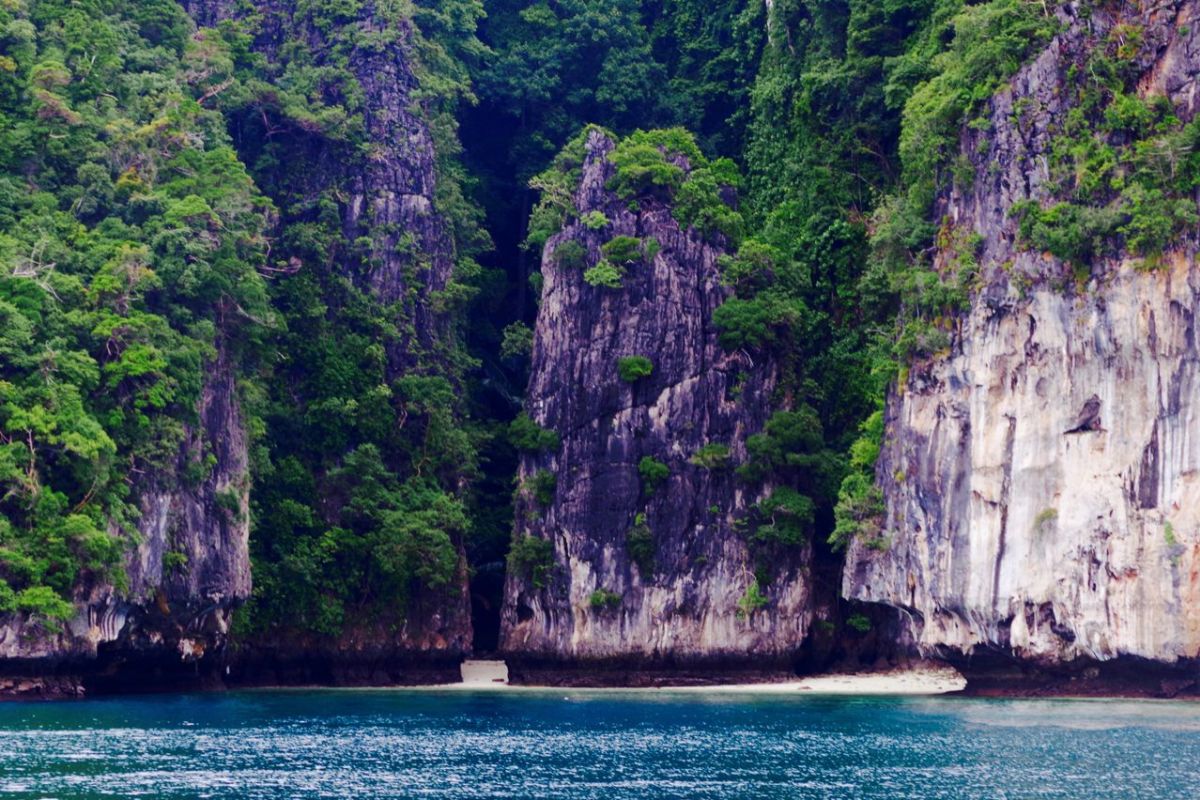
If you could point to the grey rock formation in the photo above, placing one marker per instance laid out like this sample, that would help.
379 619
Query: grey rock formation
387 197
1041 480
170 613
684 611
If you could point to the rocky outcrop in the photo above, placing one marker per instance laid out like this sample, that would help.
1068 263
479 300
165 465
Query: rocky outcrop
384 188
188 569
385 196
674 601
1041 483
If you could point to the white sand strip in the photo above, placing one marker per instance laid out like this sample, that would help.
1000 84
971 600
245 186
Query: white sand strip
926 679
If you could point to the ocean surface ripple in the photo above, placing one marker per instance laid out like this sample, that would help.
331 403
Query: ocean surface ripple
581 744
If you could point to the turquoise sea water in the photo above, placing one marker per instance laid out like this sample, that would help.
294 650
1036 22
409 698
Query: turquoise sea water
579 744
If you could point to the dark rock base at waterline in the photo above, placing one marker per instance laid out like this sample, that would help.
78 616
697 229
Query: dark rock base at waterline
635 673
323 669
68 679
994 675
143 674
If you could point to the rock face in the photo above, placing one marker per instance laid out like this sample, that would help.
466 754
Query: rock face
387 199
207 524
388 196
679 607
1041 483
170 615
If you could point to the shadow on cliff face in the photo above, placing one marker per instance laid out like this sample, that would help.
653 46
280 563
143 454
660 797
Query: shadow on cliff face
487 593
847 635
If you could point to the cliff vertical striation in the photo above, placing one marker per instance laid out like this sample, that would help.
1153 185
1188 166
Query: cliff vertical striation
362 152
1040 477
630 548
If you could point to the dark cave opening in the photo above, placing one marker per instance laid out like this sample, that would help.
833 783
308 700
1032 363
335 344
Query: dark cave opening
487 594
846 634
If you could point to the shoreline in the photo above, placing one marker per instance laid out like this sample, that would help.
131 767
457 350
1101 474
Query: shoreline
916 679
926 679
920 681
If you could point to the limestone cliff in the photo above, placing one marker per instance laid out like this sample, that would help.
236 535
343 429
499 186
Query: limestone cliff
1040 478
188 569
385 195
644 572
189 566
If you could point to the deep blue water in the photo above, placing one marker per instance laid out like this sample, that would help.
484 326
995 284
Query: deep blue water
578 744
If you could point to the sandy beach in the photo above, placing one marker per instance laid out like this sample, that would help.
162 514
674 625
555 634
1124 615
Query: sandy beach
921 680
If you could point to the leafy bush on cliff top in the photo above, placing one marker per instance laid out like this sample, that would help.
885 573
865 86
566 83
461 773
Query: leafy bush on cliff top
649 162
556 187
664 163
643 168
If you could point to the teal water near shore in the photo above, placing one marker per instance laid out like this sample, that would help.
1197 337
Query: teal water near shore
587 744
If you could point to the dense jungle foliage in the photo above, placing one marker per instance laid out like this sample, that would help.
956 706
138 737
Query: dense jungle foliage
130 240
166 196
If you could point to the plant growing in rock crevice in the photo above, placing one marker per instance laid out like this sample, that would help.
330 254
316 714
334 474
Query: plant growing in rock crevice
532 558
527 435
712 456
860 508
542 487
604 600
639 542
787 516
1044 521
653 472
633 368
605 275
570 254
752 600
595 220
174 561
624 251
859 623
517 341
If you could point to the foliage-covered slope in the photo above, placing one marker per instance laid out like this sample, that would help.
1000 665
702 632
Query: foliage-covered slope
276 193
343 113
130 240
